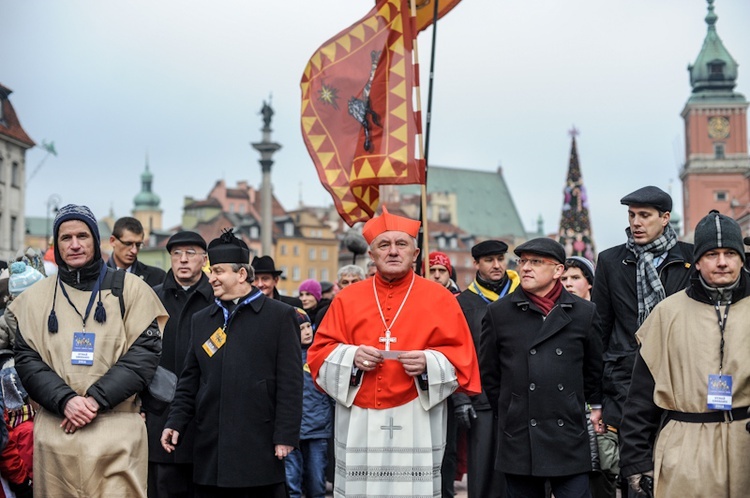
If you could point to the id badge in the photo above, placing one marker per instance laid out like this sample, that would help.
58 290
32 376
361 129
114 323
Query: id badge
83 348
719 392
215 342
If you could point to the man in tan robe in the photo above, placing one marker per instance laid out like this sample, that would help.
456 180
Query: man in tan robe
691 343
88 342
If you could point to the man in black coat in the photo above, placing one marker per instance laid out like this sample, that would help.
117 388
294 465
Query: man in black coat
631 279
540 361
492 282
184 292
240 384
127 241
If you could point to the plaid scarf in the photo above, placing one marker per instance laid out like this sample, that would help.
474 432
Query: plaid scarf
647 282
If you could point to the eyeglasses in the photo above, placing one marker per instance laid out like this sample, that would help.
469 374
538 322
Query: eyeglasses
535 263
138 245
189 253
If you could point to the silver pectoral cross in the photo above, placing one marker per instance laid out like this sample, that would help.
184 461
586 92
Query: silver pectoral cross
387 340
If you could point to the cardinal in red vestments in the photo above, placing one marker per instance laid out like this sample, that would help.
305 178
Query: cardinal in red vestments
390 351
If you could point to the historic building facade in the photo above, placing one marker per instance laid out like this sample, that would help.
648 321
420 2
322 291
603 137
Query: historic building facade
717 165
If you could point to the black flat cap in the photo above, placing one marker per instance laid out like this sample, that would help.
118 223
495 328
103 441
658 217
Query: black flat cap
186 238
489 248
649 196
543 246
326 287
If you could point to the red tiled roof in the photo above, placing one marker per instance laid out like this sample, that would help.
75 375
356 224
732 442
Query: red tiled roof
236 193
9 124
210 202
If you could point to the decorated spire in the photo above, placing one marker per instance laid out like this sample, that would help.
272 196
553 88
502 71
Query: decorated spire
575 225
714 73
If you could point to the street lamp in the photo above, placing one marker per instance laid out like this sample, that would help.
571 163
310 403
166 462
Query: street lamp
52 204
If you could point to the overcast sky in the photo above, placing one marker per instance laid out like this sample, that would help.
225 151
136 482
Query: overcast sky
184 80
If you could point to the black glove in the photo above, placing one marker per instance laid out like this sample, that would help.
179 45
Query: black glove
643 484
22 490
464 415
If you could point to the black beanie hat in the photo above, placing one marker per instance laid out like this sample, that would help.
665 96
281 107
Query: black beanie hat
715 231
78 213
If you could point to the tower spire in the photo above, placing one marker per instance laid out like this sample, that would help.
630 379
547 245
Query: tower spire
575 225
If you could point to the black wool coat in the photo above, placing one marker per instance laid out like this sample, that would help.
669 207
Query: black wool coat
246 398
474 309
538 374
181 307
616 299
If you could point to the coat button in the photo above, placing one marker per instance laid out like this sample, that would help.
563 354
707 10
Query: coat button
558 351
560 387
560 422
533 422
532 386
533 351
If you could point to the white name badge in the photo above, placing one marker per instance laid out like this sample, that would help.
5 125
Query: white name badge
83 348
719 392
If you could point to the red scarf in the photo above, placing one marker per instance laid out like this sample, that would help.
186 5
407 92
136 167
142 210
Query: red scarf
547 302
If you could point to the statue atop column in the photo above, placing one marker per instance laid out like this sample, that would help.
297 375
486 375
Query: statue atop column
267 113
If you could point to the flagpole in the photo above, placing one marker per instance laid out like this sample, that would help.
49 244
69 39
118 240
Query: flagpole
424 141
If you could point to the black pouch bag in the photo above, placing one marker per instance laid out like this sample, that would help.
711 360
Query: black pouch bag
160 392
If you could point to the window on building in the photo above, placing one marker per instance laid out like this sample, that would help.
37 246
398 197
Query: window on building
254 232
441 242
324 275
324 255
469 262
231 207
282 249
2 171
716 70
454 243
444 214
295 273
719 151
15 175
311 273
721 196
467 280
295 250
242 209
311 254
282 269
13 232
289 229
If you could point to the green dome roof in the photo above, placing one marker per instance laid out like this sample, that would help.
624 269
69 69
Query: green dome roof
146 200
715 71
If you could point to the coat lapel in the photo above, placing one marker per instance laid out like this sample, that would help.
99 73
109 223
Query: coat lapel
557 319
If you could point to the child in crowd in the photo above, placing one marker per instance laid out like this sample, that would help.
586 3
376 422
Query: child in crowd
306 466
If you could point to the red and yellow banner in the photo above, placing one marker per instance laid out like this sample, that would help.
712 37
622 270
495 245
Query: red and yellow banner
426 11
358 118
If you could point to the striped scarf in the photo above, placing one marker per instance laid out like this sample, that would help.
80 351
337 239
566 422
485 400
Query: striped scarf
647 281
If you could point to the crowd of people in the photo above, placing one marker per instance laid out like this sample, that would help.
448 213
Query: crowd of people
547 374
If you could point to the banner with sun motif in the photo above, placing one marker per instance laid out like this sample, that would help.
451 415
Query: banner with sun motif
358 117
